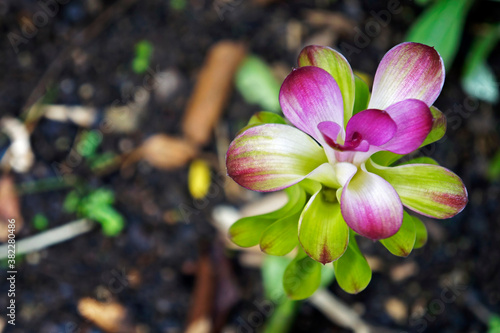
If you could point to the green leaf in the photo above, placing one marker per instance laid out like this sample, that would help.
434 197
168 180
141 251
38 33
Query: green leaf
273 269
422 2
256 83
362 95
178 5
438 127
494 167
427 189
281 237
421 160
265 117
420 233
327 275
323 232
401 244
352 271
282 317
302 276
88 143
478 80
143 54
104 160
385 158
40 222
71 202
494 324
100 197
246 232
111 221
441 26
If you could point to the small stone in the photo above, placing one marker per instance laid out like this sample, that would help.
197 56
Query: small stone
396 309
404 271
86 91
67 86
33 258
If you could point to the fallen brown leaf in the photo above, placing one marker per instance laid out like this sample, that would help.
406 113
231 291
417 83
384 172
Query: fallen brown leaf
200 312
163 152
111 317
9 207
404 271
212 90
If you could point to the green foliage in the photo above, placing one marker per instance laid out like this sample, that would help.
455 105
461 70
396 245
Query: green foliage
494 324
494 167
422 2
302 276
143 54
282 318
256 83
247 232
323 232
401 244
97 206
421 160
102 161
40 222
441 26
362 96
88 143
263 117
352 271
420 233
478 79
178 5
274 267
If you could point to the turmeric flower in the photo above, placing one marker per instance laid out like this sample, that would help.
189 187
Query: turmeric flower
330 148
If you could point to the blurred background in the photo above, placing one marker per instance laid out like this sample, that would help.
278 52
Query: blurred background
115 118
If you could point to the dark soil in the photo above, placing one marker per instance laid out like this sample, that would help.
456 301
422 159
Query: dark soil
462 255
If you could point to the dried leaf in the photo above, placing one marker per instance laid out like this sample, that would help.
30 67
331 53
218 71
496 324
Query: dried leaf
163 152
199 320
111 316
19 155
9 207
212 90
83 116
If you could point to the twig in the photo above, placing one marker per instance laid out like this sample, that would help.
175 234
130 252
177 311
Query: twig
338 312
50 237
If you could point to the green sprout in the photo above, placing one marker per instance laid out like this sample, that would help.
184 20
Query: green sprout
97 206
